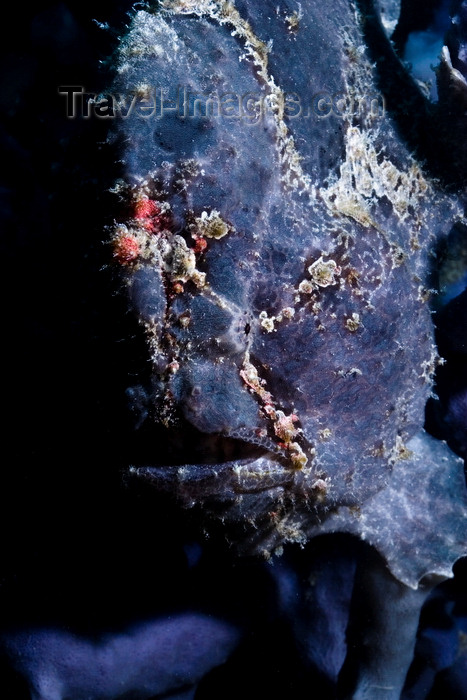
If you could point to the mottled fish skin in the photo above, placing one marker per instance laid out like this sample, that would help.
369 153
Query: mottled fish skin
278 262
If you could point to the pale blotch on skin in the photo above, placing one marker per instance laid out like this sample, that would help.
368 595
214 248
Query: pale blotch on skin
353 323
212 225
323 272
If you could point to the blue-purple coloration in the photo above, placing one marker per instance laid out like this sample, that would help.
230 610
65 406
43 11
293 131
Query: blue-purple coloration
146 660
285 297
301 327
279 253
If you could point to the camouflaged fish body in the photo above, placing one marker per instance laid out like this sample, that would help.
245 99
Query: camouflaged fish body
277 252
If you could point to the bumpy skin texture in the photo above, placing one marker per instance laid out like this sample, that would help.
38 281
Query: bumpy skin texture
279 266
